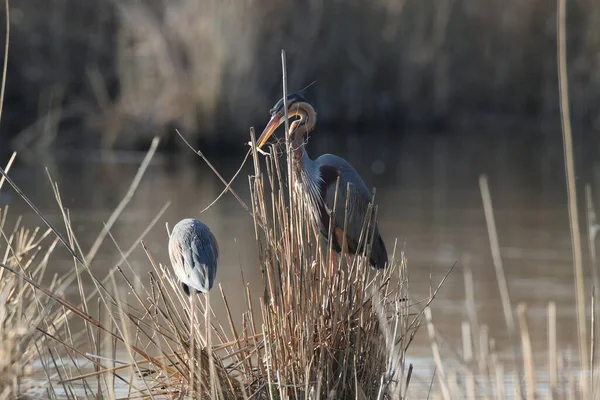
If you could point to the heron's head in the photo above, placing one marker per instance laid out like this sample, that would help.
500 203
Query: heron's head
299 111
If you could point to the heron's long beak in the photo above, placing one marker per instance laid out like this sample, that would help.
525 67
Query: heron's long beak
273 124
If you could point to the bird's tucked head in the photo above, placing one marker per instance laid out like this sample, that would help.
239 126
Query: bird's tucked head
300 112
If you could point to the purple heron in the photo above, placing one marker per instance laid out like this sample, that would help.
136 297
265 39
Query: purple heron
317 182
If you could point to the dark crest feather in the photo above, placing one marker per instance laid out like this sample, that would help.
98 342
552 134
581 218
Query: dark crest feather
292 98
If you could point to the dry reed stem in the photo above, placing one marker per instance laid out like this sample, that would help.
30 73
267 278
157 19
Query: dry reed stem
440 373
572 192
527 352
128 196
7 168
227 184
552 358
593 342
592 226
499 268
5 63
468 358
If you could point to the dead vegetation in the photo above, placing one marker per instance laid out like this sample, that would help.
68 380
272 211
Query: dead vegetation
323 328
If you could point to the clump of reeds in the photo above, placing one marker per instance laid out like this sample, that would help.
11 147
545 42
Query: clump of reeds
16 301
330 327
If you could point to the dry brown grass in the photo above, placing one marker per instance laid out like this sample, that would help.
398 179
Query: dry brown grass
481 370
319 330
28 251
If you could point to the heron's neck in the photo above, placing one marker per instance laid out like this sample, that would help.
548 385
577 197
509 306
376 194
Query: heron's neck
308 182
298 151
303 160
301 127
308 171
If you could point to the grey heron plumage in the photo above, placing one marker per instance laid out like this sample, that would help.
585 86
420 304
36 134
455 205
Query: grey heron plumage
317 181
194 254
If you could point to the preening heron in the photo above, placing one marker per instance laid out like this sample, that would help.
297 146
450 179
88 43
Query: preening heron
194 254
317 181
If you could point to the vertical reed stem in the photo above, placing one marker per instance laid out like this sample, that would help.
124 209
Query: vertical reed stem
288 150
572 192
527 352
552 364
502 285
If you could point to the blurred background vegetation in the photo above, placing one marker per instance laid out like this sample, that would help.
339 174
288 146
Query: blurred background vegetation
112 74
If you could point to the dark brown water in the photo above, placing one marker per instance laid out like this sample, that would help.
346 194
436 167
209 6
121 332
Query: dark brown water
427 186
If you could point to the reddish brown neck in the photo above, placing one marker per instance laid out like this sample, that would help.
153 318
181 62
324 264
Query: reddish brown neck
301 127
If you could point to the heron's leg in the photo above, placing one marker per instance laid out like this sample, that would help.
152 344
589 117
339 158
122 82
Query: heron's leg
192 339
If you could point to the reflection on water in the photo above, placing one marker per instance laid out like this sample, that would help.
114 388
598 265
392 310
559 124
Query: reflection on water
427 188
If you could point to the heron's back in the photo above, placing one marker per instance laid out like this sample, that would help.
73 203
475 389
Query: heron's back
194 254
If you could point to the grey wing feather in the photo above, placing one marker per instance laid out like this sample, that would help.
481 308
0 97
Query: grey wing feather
202 256
360 196
357 208
351 184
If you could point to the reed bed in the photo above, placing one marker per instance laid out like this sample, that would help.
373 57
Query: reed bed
326 327
481 370
322 329
20 310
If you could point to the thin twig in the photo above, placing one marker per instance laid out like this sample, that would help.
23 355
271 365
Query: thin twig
128 196
227 185
39 213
